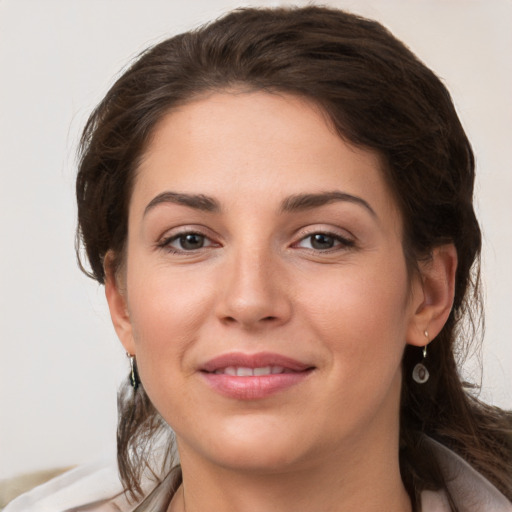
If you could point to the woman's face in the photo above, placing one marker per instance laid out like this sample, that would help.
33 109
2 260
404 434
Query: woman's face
265 292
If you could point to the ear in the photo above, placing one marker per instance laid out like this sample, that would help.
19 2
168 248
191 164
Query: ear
433 295
115 293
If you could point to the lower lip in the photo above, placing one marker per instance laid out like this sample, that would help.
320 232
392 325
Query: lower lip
256 387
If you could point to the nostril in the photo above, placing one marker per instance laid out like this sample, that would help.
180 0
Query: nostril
233 320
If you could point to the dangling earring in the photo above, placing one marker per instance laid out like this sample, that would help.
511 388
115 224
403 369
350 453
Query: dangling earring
420 373
134 375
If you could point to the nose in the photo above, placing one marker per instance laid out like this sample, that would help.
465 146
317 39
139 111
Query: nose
254 292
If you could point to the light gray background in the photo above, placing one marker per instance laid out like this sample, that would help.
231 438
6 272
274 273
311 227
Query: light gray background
60 362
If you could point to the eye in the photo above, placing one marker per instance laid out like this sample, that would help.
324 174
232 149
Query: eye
185 242
324 242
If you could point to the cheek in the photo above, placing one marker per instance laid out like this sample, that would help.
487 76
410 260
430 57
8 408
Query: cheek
166 311
362 313
163 300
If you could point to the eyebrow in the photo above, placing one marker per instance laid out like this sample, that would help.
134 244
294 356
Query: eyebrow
298 202
301 202
197 201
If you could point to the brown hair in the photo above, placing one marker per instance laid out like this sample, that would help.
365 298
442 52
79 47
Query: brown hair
378 95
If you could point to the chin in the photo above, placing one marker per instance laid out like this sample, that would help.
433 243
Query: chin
248 446
258 457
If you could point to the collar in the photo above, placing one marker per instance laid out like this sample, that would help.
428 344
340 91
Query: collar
469 490
96 488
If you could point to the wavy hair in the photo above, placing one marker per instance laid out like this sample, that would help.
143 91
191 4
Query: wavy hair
377 95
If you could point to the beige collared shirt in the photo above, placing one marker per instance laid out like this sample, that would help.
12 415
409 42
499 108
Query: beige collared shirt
96 488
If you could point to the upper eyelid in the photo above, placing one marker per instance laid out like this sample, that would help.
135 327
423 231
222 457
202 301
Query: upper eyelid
344 241
178 231
170 238
331 231
300 234
337 236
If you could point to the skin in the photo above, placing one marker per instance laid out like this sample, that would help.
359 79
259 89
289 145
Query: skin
260 284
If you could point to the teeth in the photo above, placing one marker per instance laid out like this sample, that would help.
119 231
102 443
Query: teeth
244 372
265 370
241 371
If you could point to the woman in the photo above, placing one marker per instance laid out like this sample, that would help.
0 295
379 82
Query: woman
280 207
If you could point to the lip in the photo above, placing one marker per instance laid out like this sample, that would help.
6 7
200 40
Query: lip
258 360
253 387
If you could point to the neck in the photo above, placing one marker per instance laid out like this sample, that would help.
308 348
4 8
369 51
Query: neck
344 483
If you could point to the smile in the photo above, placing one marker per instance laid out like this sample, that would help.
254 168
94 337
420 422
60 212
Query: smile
244 371
253 376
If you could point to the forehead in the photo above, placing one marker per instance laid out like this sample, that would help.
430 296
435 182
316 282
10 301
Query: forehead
247 144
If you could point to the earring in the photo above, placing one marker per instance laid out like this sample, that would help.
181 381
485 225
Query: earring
420 373
134 376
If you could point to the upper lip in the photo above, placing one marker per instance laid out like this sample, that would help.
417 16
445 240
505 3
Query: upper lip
259 360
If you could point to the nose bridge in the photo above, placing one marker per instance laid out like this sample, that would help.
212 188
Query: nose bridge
253 286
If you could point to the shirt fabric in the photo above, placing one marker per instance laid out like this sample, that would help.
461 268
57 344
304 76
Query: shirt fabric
97 488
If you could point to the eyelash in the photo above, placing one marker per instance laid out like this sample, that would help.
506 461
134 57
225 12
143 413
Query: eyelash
166 242
341 243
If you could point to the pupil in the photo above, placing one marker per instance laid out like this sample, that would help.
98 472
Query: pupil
192 241
321 241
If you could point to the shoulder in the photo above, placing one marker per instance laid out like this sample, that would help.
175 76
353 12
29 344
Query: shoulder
469 490
95 484
93 488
